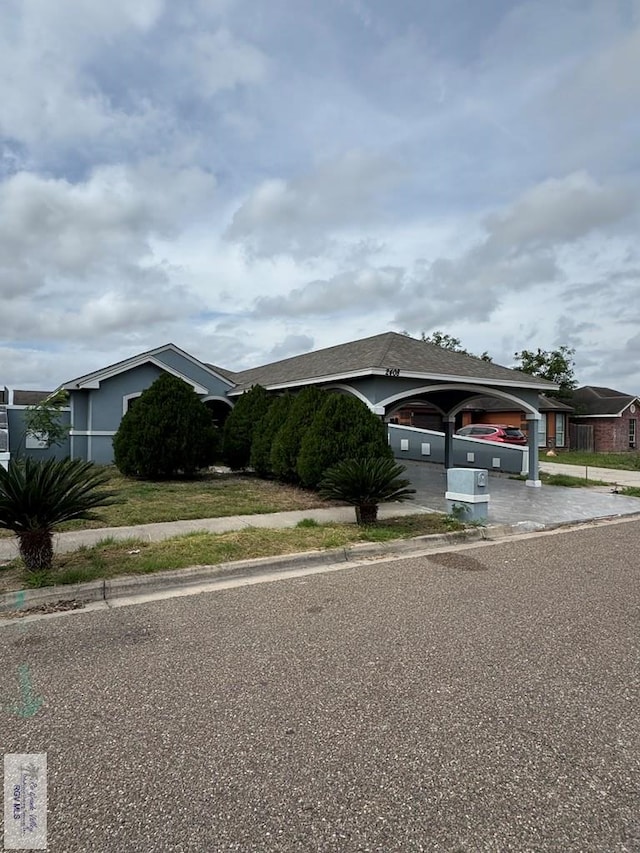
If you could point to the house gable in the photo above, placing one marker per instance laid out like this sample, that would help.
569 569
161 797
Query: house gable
169 358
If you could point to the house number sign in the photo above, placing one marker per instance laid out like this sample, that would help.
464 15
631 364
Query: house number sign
392 371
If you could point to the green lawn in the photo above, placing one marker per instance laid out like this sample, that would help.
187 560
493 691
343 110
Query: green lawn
110 558
208 496
629 461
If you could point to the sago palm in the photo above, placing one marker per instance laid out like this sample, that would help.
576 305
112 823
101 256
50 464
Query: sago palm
365 483
36 496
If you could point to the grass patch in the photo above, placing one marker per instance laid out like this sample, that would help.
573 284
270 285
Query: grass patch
111 558
565 480
208 496
628 461
631 491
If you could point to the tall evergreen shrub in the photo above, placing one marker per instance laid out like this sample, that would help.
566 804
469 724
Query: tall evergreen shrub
344 428
286 443
264 433
239 427
168 431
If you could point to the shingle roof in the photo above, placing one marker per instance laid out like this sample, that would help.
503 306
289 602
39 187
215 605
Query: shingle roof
596 400
29 398
381 352
494 404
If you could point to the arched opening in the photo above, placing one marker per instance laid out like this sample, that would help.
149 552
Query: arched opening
219 409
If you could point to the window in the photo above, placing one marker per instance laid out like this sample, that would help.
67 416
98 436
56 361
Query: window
542 431
632 433
560 430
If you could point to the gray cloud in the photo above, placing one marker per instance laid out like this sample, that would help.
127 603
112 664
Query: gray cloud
299 217
343 292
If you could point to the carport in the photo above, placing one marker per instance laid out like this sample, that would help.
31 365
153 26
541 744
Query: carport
385 371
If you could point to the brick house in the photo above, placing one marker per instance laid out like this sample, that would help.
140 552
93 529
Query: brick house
604 420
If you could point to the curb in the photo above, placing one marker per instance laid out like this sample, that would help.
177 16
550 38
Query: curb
131 585
106 590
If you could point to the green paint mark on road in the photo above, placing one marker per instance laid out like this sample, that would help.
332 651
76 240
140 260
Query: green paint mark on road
20 599
29 703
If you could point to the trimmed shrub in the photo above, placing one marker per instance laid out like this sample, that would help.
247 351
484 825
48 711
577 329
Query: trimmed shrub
365 483
168 431
239 427
264 433
344 428
286 443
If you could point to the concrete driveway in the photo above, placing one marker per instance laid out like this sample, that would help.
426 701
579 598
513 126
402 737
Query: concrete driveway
511 501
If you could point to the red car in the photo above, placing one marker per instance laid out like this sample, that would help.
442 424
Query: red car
494 432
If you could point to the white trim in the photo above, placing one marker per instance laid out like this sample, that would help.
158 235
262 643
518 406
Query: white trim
536 484
531 417
93 380
89 426
71 420
469 499
92 432
126 398
218 397
354 393
491 392
18 408
380 371
619 415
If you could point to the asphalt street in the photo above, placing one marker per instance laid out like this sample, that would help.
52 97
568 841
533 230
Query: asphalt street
478 699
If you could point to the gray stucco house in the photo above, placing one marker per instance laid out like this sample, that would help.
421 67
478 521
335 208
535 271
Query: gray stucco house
385 371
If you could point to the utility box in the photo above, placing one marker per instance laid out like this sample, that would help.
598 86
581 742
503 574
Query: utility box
467 493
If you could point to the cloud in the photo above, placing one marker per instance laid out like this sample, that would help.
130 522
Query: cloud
300 216
522 248
291 345
343 292
52 229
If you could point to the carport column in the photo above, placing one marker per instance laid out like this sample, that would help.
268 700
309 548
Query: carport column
534 477
449 428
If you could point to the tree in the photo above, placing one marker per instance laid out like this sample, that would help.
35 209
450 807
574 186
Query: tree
168 431
239 427
36 496
265 432
555 365
344 428
448 342
44 421
366 483
286 443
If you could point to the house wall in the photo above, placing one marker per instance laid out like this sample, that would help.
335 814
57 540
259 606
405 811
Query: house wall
20 445
97 412
612 434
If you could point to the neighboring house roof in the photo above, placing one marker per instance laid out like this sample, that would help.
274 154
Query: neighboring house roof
493 404
592 401
93 380
15 397
29 398
377 354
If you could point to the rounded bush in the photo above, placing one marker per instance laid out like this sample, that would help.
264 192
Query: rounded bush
168 431
344 428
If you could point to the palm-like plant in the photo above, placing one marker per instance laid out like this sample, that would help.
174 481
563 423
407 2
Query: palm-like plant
365 483
36 496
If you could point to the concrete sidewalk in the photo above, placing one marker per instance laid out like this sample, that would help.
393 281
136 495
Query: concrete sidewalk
71 540
607 475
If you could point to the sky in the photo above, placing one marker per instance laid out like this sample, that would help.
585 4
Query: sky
254 180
